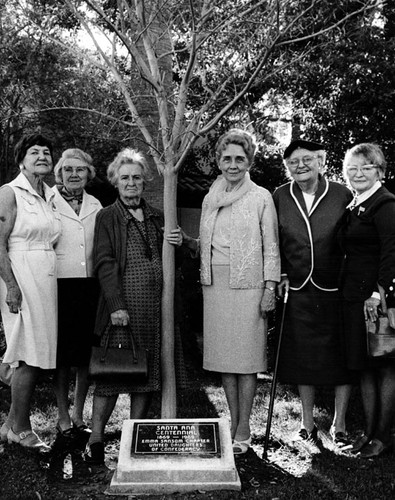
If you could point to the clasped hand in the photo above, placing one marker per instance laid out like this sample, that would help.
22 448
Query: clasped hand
120 317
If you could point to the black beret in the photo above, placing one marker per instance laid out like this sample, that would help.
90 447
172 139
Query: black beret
309 145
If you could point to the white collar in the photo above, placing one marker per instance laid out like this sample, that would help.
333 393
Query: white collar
360 198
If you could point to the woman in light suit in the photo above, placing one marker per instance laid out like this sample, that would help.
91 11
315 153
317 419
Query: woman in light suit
77 288
240 267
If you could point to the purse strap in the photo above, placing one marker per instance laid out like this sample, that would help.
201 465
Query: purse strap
382 298
133 342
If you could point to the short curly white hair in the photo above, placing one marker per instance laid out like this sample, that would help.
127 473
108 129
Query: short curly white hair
128 155
77 154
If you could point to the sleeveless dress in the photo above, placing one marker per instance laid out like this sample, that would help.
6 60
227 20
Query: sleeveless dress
31 334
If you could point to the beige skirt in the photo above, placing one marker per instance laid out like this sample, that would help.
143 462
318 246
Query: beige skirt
234 332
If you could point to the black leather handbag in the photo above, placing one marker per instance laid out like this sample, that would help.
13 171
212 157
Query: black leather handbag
117 364
379 335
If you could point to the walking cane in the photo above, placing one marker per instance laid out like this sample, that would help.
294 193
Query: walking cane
274 381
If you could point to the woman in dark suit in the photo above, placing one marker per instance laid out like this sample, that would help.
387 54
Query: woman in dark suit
310 210
368 237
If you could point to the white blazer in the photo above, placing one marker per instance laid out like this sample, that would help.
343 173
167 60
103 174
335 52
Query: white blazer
75 244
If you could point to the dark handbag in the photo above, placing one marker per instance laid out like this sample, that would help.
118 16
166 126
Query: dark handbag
380 335
117 364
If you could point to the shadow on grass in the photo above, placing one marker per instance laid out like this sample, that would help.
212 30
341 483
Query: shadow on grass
348 476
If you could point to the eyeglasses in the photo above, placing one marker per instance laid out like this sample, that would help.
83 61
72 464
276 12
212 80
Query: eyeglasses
78 170
306 160
364 169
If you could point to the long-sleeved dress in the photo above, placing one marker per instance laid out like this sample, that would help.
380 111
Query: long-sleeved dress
127 260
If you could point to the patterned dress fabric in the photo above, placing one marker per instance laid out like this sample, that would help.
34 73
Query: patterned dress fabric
32 333
142 290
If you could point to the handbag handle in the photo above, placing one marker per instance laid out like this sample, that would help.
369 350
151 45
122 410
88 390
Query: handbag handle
382 298
133 341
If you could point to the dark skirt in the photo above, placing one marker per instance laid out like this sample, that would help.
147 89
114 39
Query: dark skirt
312 350
77 303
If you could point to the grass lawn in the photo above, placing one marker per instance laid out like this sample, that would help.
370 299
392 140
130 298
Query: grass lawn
291 471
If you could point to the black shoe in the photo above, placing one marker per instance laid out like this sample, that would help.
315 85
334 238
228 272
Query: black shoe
312 436
82 434
339 438
94 453
64 440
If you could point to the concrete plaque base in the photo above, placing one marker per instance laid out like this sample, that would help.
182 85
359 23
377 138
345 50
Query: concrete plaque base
179 455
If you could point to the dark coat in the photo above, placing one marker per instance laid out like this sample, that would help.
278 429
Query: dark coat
368 238
308 242
109 258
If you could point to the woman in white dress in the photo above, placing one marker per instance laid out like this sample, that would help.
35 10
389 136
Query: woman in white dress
29 226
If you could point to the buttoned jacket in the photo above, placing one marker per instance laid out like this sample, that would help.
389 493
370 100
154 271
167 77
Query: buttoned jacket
368 236
75 245
254 250
310 250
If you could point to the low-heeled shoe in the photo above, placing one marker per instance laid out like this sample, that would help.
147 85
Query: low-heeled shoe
241 447
3 432
27 439
373 449
339 438
358 444
94 453
82 433
68 433
304 435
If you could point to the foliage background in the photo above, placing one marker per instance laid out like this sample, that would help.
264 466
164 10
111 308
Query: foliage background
337 88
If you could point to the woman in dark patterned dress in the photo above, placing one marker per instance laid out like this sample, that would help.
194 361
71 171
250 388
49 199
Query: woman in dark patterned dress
127 259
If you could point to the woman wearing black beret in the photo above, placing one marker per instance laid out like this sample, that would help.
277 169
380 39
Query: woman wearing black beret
310 209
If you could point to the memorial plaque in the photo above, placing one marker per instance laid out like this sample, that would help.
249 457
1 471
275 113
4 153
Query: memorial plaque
175 455
196 438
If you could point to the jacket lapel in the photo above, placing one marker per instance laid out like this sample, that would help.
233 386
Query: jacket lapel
88 206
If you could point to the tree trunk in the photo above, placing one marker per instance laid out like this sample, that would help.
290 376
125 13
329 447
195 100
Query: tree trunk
169 396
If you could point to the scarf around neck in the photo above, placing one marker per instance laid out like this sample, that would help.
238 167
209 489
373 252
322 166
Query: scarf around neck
218 197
